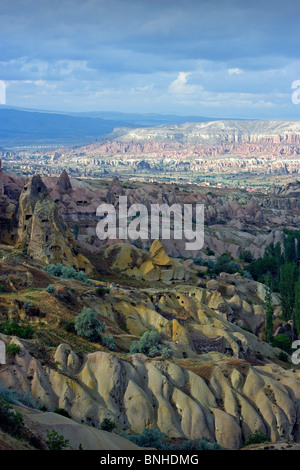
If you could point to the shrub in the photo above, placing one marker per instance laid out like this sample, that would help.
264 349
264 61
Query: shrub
101 291
62 412
247 256
282 356
27 306
282 342
258 437
67 272
55 441
200 444
150 437
15 397
13 349
88 326
107 425
11 421
70 327
14 329
51 289
225 264
109 342
151 345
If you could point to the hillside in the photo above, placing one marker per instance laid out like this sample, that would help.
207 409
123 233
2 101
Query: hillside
179 347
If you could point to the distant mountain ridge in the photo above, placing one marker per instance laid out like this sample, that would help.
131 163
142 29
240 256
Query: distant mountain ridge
214 132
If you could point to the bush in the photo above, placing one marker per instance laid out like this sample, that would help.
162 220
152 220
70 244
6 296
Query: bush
282 342
11 421
246 256
258 437
27 306
101 291
14 329
109 342
15 397
62 412
55 441
88 326
150 437
150 344
107 425
13 349
282 356
225 264
200 444
51 289
67 272
70 327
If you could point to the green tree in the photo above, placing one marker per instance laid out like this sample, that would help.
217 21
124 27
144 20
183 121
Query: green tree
88 325
75 232
55 441
296 322
288 278
289 244
269 309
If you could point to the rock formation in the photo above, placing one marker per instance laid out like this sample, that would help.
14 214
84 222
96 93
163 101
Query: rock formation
155 265
223 400
42 230
64 182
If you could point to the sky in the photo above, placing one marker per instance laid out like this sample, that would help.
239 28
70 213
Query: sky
215 58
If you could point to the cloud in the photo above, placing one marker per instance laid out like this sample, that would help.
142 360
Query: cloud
180 86
235 71
151 56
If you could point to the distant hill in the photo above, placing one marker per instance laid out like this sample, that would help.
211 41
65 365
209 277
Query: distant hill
37 128
20 126
214 133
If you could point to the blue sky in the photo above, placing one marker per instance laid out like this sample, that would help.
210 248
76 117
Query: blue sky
216 58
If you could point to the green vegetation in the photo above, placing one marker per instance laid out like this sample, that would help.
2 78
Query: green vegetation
62 412
70 327
13 349
151 345
283 342
224 263
89 327
107 425
11 421
269 309
2 288
282 269
200 444
55 441
51 289
246 256
258 437
67 272
150 437
14 329
101 291
109 342
75 232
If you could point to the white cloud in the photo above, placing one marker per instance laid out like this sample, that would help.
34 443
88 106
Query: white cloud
180 86
235 71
